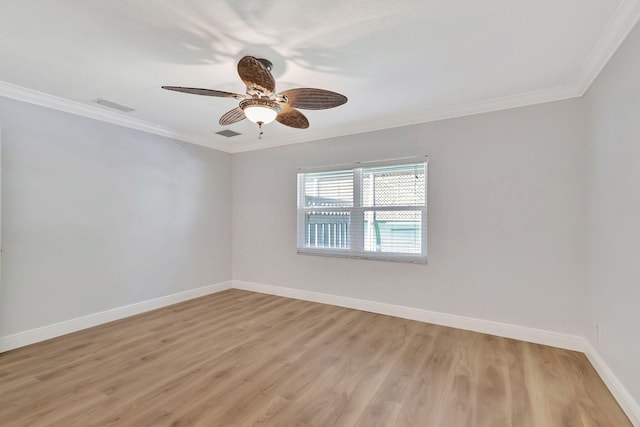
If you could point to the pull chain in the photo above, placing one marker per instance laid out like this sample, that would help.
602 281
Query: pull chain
261 131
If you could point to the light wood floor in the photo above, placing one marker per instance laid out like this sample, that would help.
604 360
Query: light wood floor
242 358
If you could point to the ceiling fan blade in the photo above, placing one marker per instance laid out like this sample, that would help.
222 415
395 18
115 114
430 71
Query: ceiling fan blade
206 92
313 99
231 117
292 117
255 75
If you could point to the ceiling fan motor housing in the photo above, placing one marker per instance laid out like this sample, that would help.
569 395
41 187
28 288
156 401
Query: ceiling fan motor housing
261 102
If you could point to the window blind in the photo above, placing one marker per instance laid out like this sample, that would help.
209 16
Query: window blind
375 212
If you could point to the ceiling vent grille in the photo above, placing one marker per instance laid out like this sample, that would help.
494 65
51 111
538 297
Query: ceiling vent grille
113 105
228 133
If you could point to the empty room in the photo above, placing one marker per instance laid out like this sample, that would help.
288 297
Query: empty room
279 213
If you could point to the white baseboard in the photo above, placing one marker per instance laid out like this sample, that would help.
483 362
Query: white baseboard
570 342
617 389
538 336
43 333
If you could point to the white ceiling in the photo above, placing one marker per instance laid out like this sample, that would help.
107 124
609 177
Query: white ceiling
399 63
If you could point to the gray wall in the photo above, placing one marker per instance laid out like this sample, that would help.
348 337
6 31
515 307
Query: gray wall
96 216
506 218
613 104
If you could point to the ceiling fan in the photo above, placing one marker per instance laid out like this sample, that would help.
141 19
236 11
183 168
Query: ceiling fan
261 104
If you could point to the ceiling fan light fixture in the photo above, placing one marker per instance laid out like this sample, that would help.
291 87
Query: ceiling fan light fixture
260 111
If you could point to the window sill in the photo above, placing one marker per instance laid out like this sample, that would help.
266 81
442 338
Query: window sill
376 256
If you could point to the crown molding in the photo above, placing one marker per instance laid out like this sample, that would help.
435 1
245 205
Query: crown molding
435 114
31 96
619 26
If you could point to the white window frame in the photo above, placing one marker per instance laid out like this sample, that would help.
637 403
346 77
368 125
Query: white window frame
357 214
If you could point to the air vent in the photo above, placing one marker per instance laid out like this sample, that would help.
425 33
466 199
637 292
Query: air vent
113 105
228 133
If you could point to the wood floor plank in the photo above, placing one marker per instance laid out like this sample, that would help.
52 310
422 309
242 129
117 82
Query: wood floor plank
459 402
428 389
238 358
494 393
384 408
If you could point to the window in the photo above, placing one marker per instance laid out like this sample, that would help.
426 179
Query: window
373 211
